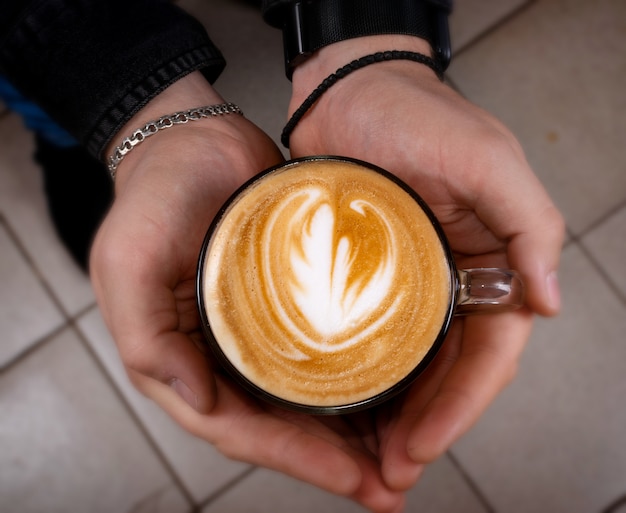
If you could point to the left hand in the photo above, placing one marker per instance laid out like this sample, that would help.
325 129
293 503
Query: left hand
143 269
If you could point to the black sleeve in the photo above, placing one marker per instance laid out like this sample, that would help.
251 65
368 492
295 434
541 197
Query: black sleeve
309 25
92 64
274 10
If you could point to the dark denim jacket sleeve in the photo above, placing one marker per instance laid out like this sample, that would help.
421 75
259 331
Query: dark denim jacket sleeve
91 64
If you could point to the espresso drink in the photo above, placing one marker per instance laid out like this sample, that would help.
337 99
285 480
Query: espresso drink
325 283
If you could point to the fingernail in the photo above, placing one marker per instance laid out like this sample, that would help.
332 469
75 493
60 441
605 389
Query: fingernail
554 291
185 392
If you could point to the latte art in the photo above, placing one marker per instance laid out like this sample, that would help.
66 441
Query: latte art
325 283
336 281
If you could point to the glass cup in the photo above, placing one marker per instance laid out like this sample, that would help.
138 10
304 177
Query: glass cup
326 285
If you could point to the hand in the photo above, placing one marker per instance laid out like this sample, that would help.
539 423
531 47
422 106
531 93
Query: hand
143 268
472 172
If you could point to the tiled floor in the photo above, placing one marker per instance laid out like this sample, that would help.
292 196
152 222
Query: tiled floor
76 437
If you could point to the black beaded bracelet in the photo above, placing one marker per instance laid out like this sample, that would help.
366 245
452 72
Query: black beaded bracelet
332 79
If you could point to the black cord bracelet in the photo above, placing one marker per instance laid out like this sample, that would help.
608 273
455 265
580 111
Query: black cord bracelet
346 70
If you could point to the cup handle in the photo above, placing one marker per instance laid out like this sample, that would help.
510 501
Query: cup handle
489 290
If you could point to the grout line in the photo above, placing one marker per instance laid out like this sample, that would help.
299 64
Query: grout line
32 348
225 488
478 493
601 271
38 343
177 480
595 224
577 240
21 248
498 23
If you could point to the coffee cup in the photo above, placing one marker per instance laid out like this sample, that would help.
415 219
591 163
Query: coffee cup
326 285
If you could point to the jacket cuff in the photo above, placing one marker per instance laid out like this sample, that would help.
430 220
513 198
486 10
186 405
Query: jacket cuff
91 65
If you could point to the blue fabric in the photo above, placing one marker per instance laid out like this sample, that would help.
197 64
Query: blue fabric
34 118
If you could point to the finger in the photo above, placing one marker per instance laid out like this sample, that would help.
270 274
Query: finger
359 432
536 255
296 445
516 207
400 471
355 435
487 363
243 431
156 350
174 360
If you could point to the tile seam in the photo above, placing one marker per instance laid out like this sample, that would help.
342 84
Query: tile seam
225 488
471 483
134 416
497 24
599 268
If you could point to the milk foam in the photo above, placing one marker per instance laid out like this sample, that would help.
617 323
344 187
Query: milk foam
319 290
321 265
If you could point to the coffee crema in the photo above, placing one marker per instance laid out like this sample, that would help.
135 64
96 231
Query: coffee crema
325 283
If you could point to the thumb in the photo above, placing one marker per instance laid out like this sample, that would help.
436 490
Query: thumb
519 210
152 325
173 359
536 254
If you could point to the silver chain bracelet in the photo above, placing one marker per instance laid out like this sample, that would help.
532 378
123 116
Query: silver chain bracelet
164 122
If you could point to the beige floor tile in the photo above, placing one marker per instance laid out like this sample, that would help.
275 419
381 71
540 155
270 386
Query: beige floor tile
554 440
23 204
441 490
27 313
555 74
200 467
266 491
471 18
68 445
607 244
255 75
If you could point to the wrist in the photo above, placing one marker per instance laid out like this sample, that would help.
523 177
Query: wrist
191 91
308 75
187 93
328 59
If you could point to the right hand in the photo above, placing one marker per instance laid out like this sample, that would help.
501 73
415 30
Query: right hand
473 173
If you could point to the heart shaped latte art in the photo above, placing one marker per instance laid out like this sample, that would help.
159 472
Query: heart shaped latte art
341 267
